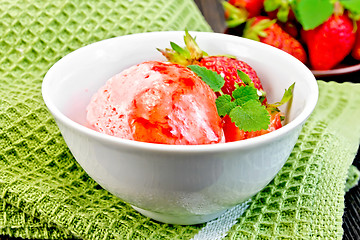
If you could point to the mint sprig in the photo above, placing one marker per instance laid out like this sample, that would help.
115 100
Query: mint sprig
224 105
243 107
250 116
242 94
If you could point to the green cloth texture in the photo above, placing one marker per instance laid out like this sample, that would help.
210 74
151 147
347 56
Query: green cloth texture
352 178
45 194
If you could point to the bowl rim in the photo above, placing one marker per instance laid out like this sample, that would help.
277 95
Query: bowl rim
219 147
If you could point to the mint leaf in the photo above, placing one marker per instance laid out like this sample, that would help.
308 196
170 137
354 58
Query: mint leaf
352 5
211 78
224 105
244 107
244 94
251 116
312 13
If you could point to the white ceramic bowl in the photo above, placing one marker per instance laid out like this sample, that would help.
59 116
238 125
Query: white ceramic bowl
173 183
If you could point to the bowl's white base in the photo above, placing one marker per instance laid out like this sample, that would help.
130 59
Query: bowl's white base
181 220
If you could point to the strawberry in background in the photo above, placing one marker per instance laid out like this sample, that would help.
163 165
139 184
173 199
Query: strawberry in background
324 30
267 31
253 7
279 9
282 11
263 29
238 11
329 43
355 53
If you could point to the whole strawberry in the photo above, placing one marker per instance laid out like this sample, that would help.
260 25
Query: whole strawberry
238 11
225 66
267 31
280 10
356 49
253 7
329 43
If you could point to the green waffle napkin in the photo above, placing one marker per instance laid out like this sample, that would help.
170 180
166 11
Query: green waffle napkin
45 194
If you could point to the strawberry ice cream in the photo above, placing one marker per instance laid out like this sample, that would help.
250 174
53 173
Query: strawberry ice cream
157 102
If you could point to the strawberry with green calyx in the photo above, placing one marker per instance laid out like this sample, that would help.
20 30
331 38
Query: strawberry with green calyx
234 16
184 56
238 11
243 107
223 65
244 115
329 43
227 67
267 31
279 9
282 11
252 8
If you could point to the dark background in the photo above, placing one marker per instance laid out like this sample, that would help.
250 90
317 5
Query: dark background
213 13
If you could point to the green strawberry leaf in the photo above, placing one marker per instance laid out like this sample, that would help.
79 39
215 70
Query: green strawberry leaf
245 78
255 31
271 5
352 5
251 116
286 97
193 48
224 105
283 13
244 94
288 94
312 13
283 7
211 78
235 16
180 50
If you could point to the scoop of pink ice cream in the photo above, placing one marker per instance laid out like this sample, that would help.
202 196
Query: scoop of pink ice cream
157 102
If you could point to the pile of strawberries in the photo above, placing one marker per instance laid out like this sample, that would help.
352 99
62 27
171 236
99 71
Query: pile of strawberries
321 48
